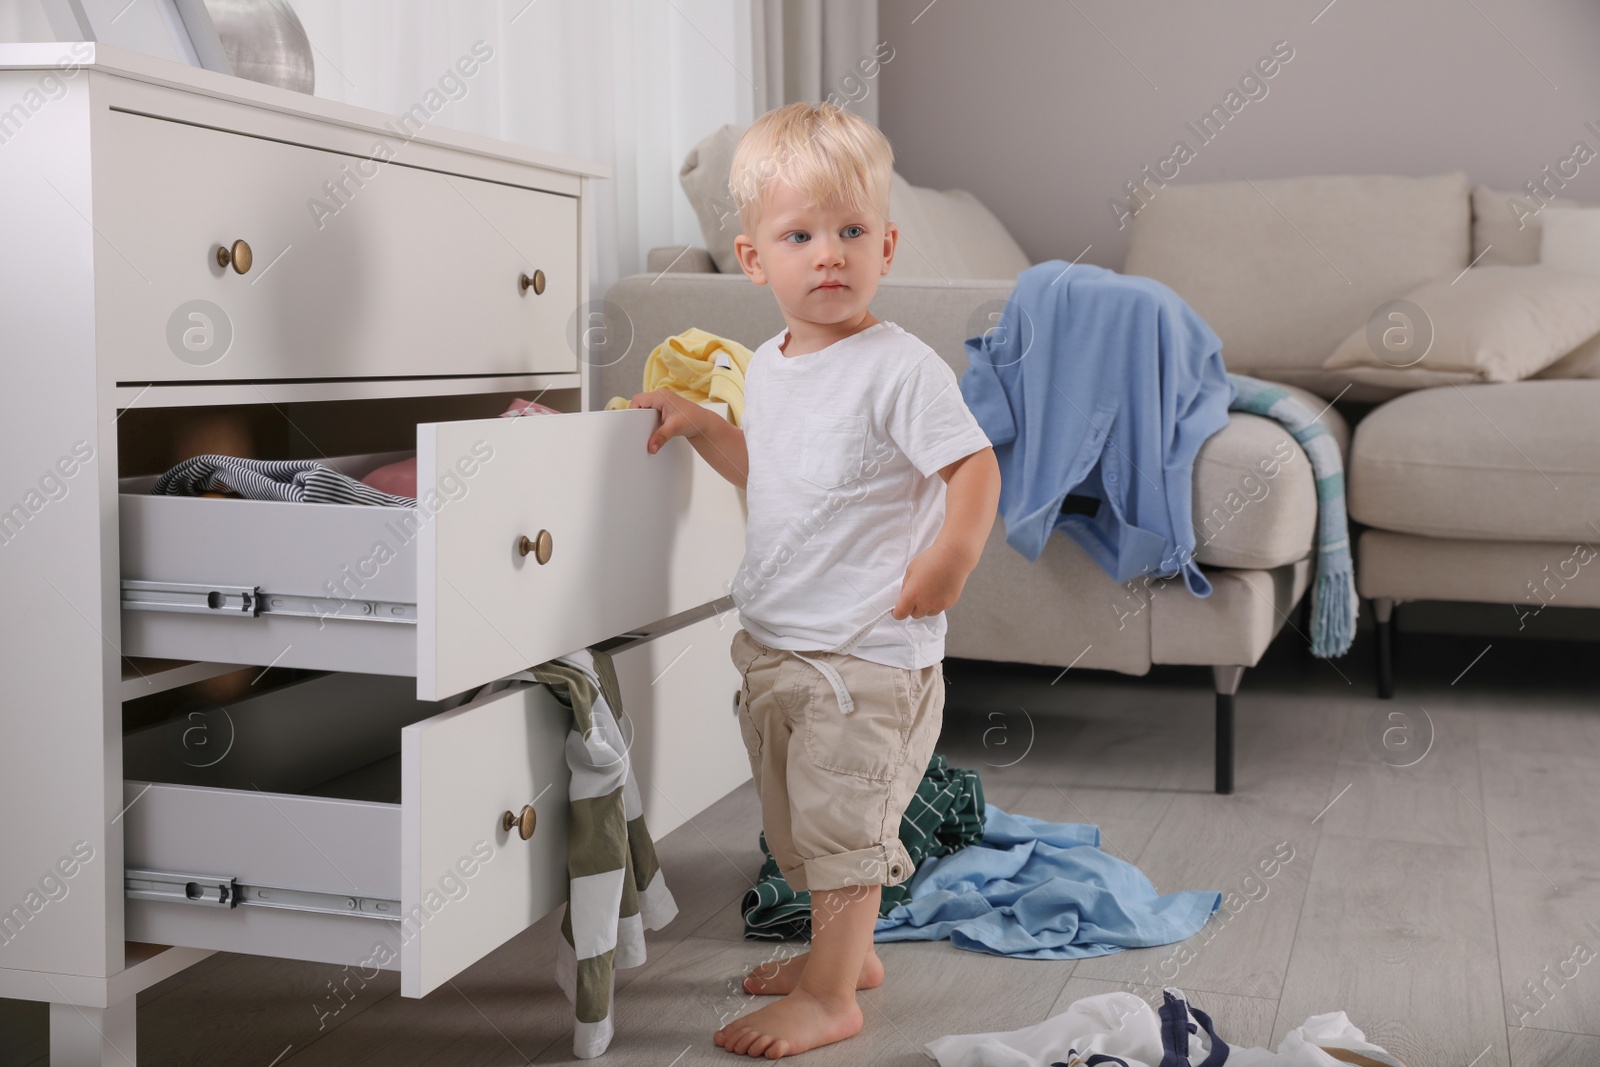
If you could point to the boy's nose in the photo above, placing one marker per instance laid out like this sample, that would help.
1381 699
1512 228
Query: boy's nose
828 252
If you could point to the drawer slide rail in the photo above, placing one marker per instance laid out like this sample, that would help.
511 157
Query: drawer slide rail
224 891
248 602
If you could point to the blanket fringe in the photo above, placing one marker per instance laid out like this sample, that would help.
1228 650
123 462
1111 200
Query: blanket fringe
1333 609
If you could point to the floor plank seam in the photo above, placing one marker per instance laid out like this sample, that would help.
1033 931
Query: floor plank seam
1552 1030
1294 939
329 1033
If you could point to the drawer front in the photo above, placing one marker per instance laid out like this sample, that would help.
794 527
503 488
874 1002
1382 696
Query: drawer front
467 883
678 694
633 538
360 267
427 885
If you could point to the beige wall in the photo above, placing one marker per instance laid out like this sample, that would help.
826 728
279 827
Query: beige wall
1044 117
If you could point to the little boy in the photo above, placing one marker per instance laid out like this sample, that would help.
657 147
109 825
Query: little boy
871 490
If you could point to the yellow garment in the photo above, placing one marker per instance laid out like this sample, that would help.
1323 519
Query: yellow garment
686 365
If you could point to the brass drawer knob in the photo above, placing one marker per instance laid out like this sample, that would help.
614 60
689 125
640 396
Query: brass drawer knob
524 821
539 547
536 283
239 256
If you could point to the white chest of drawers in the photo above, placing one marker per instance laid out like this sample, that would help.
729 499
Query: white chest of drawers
162 253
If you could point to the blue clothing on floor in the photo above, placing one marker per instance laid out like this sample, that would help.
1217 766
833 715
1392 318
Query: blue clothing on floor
1044 891
1103 385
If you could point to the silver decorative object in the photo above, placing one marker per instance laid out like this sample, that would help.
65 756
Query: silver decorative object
265 42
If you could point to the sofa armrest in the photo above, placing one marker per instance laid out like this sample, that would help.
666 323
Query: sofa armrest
649 308
679 259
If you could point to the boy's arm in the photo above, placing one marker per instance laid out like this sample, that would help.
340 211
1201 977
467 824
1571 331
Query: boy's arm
934 579
721 444
971 501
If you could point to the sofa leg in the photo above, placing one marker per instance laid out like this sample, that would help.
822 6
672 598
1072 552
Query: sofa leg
1304 624
1383 615
1227 684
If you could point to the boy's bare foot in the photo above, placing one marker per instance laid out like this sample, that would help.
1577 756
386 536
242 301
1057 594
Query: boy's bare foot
775 977
798 1022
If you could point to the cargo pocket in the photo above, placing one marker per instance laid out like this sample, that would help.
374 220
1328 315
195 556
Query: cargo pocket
834 449
869 742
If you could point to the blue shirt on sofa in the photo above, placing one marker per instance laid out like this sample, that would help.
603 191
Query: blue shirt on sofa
1101 385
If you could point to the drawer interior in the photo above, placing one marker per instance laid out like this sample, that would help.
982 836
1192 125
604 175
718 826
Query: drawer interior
312 733
151 439
524 544
338 819
346 564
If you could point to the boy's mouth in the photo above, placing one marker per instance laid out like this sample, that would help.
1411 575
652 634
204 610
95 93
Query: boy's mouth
831 285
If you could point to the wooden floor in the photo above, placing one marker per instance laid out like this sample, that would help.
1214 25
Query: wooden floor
1426 901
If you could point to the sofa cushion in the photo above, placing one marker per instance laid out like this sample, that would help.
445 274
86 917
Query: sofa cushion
1517 461
1571 239
1490 324
1581 362
1284 269
1255 499
943 234
678 259
1507 227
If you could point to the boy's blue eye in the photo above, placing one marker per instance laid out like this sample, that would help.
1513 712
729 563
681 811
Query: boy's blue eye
800 234
859 230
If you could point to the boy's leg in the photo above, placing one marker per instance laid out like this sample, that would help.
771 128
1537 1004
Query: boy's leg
924 693
822 1009
841 939
850 781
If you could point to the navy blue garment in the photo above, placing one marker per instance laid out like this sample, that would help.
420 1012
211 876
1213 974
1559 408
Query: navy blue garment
1101 385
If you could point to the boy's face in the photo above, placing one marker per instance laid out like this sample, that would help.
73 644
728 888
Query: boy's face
823 262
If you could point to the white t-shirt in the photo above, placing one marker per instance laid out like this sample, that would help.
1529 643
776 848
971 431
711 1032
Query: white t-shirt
845 446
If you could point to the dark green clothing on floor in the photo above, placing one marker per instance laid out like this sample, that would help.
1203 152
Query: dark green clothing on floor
945 814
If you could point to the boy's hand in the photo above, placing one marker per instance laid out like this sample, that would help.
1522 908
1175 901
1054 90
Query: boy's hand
680 416
933 582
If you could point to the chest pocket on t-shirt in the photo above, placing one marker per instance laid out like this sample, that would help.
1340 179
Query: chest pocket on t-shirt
834 448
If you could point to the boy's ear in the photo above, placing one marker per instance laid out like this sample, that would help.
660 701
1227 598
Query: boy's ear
891 238
749 259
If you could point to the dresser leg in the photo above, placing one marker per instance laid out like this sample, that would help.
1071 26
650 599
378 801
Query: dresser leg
93 1037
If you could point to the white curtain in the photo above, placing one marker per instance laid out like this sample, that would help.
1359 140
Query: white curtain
814 50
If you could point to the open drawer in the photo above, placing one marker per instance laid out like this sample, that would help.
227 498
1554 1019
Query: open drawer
531 537
388 841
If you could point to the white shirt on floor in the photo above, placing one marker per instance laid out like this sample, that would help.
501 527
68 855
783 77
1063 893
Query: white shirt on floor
845 445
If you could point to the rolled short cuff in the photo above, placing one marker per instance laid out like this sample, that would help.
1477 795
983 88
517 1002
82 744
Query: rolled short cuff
887 863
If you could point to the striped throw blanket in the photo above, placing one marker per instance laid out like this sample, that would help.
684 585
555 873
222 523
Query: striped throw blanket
617 888
1333 593
297 480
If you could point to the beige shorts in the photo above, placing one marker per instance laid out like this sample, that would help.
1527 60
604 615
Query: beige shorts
834 786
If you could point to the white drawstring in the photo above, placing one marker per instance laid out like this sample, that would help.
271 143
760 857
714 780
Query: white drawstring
835 679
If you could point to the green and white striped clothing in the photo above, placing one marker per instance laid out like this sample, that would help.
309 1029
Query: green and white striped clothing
617 889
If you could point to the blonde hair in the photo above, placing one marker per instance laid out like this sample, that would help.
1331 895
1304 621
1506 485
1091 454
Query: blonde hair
821 150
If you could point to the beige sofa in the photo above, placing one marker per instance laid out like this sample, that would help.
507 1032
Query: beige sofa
1484 493
1280 307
